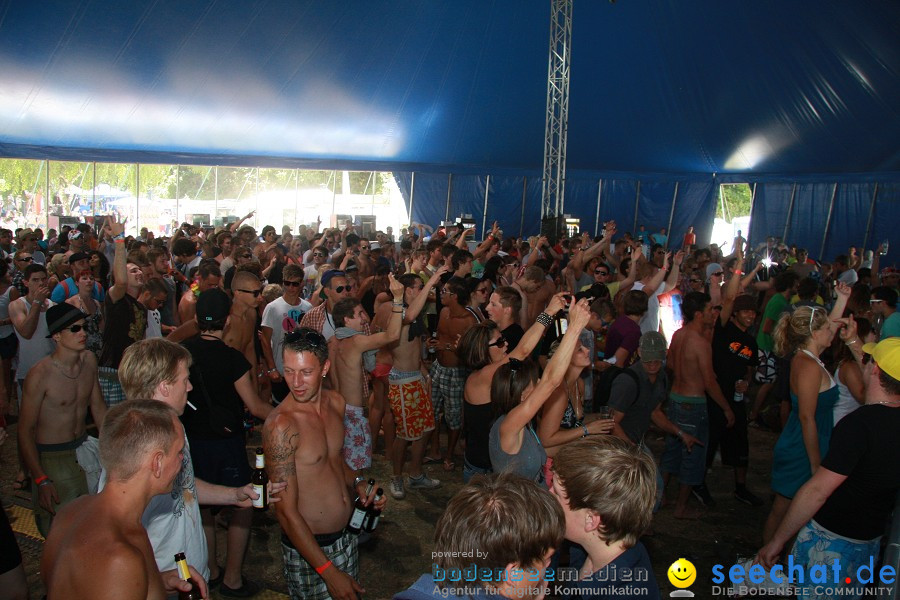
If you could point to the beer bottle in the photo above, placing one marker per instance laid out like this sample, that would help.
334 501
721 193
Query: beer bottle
259 479
185 575
359 511
374 514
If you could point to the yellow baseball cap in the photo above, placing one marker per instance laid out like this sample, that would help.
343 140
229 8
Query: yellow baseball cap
886 354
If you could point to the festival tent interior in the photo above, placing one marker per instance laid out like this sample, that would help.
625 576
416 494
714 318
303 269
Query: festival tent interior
668 99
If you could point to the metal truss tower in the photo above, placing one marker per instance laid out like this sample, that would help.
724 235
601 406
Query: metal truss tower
557 125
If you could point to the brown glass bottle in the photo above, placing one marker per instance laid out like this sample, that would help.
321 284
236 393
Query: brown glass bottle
184 574
259 479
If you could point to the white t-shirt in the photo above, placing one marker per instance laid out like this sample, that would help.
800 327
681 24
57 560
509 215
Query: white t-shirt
173 521
282 318
650 320
36 348
154 324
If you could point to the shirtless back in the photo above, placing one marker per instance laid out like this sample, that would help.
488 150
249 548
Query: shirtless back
97 546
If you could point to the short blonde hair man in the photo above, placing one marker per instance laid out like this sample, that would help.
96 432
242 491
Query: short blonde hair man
148 363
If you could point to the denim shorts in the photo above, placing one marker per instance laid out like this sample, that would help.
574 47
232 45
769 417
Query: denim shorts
692 418
470 471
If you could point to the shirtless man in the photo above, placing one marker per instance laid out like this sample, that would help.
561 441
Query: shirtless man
240 332
448 377
52 440
408 392
303 438
209 275
350 350
98 546
690 358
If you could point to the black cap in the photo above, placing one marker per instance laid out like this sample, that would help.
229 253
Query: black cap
76 256
745 302
213 305
60 316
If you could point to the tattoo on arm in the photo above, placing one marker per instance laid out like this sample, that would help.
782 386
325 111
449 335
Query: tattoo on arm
280 448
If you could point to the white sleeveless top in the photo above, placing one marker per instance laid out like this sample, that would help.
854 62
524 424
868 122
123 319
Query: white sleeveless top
846 403
5 330
32 351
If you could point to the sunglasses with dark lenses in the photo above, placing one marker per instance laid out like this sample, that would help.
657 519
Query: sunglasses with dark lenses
718 274
25 258
363 247
306 335
341 288
696 281
600 273
500 342
291 283
75 328
255 293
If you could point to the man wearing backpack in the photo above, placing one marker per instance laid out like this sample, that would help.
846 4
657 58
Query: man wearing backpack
637 394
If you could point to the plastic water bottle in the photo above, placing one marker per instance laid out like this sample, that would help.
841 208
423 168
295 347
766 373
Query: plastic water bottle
738 396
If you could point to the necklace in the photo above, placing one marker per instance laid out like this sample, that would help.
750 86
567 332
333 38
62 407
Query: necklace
886 402
63 371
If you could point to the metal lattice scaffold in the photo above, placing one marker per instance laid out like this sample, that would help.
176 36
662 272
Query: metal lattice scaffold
556 128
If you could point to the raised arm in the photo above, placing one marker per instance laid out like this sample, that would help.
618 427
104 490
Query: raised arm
116 231
672 279
518 417
534 333
395 324
418 303
237 224
732 290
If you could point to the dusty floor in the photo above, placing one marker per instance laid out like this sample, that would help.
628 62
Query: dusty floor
401 549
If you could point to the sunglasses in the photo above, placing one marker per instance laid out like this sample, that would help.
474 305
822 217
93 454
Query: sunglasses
363 247
717 274
74 328
255 293
341 288
696 281
306 335
291 283
500 342
601 273
25 259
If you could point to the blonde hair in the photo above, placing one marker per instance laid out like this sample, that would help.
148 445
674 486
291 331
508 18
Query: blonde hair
132 430
148 363
612 478
793 329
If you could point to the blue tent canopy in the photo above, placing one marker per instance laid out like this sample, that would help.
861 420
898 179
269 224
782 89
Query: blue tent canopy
662 92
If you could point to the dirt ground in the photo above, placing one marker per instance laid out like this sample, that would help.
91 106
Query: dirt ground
400 550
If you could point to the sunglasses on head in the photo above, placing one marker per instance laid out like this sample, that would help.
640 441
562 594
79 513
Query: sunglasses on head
341 288
500 342
291 283
306 335
255 293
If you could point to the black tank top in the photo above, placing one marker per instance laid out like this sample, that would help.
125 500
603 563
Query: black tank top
477 418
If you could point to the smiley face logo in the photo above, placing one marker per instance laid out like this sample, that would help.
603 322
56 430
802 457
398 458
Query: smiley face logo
682 573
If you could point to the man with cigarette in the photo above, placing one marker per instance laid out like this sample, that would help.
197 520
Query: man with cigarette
159 369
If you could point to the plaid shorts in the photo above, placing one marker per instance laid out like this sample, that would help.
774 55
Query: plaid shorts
110 387
302 580
447 385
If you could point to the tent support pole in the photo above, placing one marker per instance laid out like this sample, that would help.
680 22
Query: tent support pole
137 201
637 202
828 221
671 216
412 196
47 201
297 198
752 205
869 222
787 221
449 191
487 188
597 221
524 193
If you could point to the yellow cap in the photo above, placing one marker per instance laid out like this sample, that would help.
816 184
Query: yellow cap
886 354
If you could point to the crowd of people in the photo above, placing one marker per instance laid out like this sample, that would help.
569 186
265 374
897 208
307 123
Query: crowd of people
533 367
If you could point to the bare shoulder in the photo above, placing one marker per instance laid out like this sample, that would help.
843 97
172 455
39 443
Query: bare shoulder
125 569
335 400
281 438
90 360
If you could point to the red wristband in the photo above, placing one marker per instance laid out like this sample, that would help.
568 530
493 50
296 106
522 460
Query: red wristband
41 479
321 569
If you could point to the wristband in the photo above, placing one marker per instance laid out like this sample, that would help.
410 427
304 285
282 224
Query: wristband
321 569
119 240
583 426
40 480
851 342
544 319
357 481
738 272
120 236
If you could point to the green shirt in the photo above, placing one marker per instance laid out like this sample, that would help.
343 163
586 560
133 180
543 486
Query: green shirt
891 326
777 305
